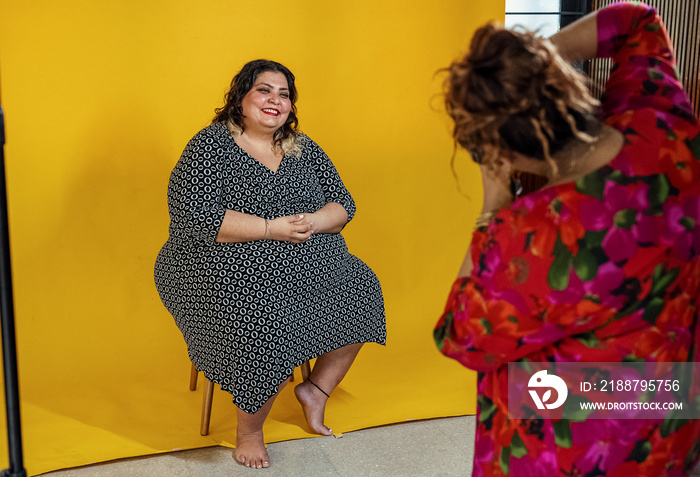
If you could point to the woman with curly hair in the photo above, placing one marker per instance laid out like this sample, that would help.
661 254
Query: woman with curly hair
255 271
601 264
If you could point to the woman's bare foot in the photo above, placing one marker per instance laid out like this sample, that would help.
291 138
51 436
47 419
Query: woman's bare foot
313 402
250 450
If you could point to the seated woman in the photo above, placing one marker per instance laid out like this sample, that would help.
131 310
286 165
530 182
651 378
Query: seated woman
255 271
599 265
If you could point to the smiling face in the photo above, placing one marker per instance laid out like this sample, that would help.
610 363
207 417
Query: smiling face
266 106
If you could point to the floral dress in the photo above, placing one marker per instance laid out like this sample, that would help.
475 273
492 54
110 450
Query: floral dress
604 269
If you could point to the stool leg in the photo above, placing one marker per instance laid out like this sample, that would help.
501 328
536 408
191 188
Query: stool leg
193 378
305 370
206 406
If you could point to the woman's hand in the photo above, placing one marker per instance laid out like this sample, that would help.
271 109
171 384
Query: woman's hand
291 228
329 219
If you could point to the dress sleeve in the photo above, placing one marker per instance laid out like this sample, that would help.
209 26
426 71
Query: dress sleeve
525 292
195 190
643 72
329 179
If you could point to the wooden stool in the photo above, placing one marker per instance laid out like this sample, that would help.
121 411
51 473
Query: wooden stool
209 393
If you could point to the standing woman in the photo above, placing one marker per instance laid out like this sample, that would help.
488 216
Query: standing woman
602 264
255 271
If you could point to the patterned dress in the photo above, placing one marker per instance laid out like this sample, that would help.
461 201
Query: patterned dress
250 312
604 269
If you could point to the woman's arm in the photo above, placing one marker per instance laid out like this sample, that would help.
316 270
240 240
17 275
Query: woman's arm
579 40
329 219
620 31
240 227
467 265
497 196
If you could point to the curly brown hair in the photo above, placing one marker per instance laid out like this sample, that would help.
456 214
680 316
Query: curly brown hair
513 91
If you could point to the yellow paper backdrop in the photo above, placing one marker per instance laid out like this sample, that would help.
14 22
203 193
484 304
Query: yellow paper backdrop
100 97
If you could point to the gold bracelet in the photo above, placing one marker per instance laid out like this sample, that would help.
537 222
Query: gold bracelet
269 229
484 219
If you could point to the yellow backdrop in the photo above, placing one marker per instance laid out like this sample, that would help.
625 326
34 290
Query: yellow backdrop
100 97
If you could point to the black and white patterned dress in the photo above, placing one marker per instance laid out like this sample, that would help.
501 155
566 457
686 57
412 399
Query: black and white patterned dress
250 312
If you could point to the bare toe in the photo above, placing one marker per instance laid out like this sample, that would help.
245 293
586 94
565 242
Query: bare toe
250 450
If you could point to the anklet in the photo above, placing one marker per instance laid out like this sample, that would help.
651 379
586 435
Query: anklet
316 385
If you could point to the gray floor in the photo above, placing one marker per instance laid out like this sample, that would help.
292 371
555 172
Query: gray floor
438 447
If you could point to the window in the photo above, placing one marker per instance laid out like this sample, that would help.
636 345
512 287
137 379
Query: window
545 16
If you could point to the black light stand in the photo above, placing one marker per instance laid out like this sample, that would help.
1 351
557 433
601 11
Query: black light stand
7 315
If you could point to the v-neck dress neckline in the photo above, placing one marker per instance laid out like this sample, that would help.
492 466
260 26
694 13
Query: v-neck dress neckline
251 157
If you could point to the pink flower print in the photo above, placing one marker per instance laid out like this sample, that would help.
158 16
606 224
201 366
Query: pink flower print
483 454
682 228
620 197
609 441
526 466
612 215
619 244
647 228
609 278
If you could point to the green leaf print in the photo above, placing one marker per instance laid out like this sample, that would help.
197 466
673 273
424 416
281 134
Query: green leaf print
662 281
676 73
688 223
585 265
617 177
653 309
589 339
625 219
655 75
562 433
658 189
440 334
573 407
694 145
592 185
486 407
594 239
517 446
504 460
558 275
652 27
525 363
671 425
487 325
641 451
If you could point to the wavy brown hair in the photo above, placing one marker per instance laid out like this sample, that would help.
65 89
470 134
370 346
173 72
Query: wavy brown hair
287 137
513 91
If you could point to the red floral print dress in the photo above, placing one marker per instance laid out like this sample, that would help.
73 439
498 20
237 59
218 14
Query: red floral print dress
604 269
